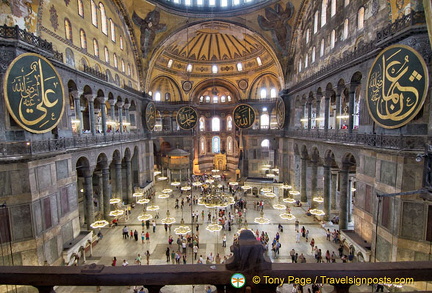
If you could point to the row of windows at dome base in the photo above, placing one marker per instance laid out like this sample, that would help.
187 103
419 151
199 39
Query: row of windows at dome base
215 68
200 4
216 99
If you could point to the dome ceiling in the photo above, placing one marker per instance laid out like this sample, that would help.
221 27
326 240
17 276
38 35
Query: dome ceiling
213 43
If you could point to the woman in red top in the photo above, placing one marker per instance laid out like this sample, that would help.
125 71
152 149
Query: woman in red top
114 261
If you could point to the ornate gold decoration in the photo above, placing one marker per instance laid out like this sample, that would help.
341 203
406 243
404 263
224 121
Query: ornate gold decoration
187 117
244 116
150 115
396 86
33 93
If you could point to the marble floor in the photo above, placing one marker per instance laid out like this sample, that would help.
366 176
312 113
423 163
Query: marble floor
113 244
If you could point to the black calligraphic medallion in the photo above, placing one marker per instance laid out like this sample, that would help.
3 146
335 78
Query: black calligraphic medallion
244 116
187 117
280 113
150 115
34 93
397 86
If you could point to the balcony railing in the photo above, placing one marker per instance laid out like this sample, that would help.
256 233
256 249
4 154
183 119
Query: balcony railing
62 144
401 142
14 32
95 73
154 277
411 19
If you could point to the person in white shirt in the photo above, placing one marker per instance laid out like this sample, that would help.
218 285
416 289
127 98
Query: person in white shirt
125 263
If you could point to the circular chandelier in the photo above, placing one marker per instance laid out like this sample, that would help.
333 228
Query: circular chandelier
137 194
175 183
99 224
289 200
233 183
163 195
270 175
294 192
270 194
197 184
143 201
153 208
279 206
145 217
116 213
318 199
168 219
162 178
167 190
286 186
115 200
266 189
182 230
317 212
214 227
287 216
262 219
186 188
246 187
155 173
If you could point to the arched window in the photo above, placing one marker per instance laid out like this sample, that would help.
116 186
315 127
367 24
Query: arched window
239 66
324 12
313 55
106 55
322 48
307 35
230 145
332 39
128 69
121 43
202 124
229 123
360 18
222 99
83 39
216 144
96 48
157 96
68 30
333 8
306 60
80 8
265 143
316 22
113 33
207 99
345 30
215 124
273 93
123 66
215 99
263 93
167 97
94 13
259 62
300 65
115 60
103 18
265 119
202 146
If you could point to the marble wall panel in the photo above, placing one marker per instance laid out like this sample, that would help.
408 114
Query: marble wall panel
387 174
21 222
412 220
62 169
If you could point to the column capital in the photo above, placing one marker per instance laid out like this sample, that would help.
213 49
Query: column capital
120 104
126 106
102 99
75 94
112 102
90 97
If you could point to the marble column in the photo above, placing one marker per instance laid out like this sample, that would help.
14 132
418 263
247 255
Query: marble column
90 99
343 210
118 174
334 177
327 187
112 103
101 194
127 116
314 183
303 178
309 110
351 108
120 115
103 114
106 192
327 111
129 181
88 196
338 109
78 114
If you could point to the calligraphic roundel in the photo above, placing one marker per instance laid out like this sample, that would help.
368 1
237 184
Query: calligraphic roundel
187 117
396 86
244 116
280 113
34 93
150 115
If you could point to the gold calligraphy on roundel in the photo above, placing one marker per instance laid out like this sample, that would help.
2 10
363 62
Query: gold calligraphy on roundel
396 86
150 116
187 117
280 113
244 116
34 93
